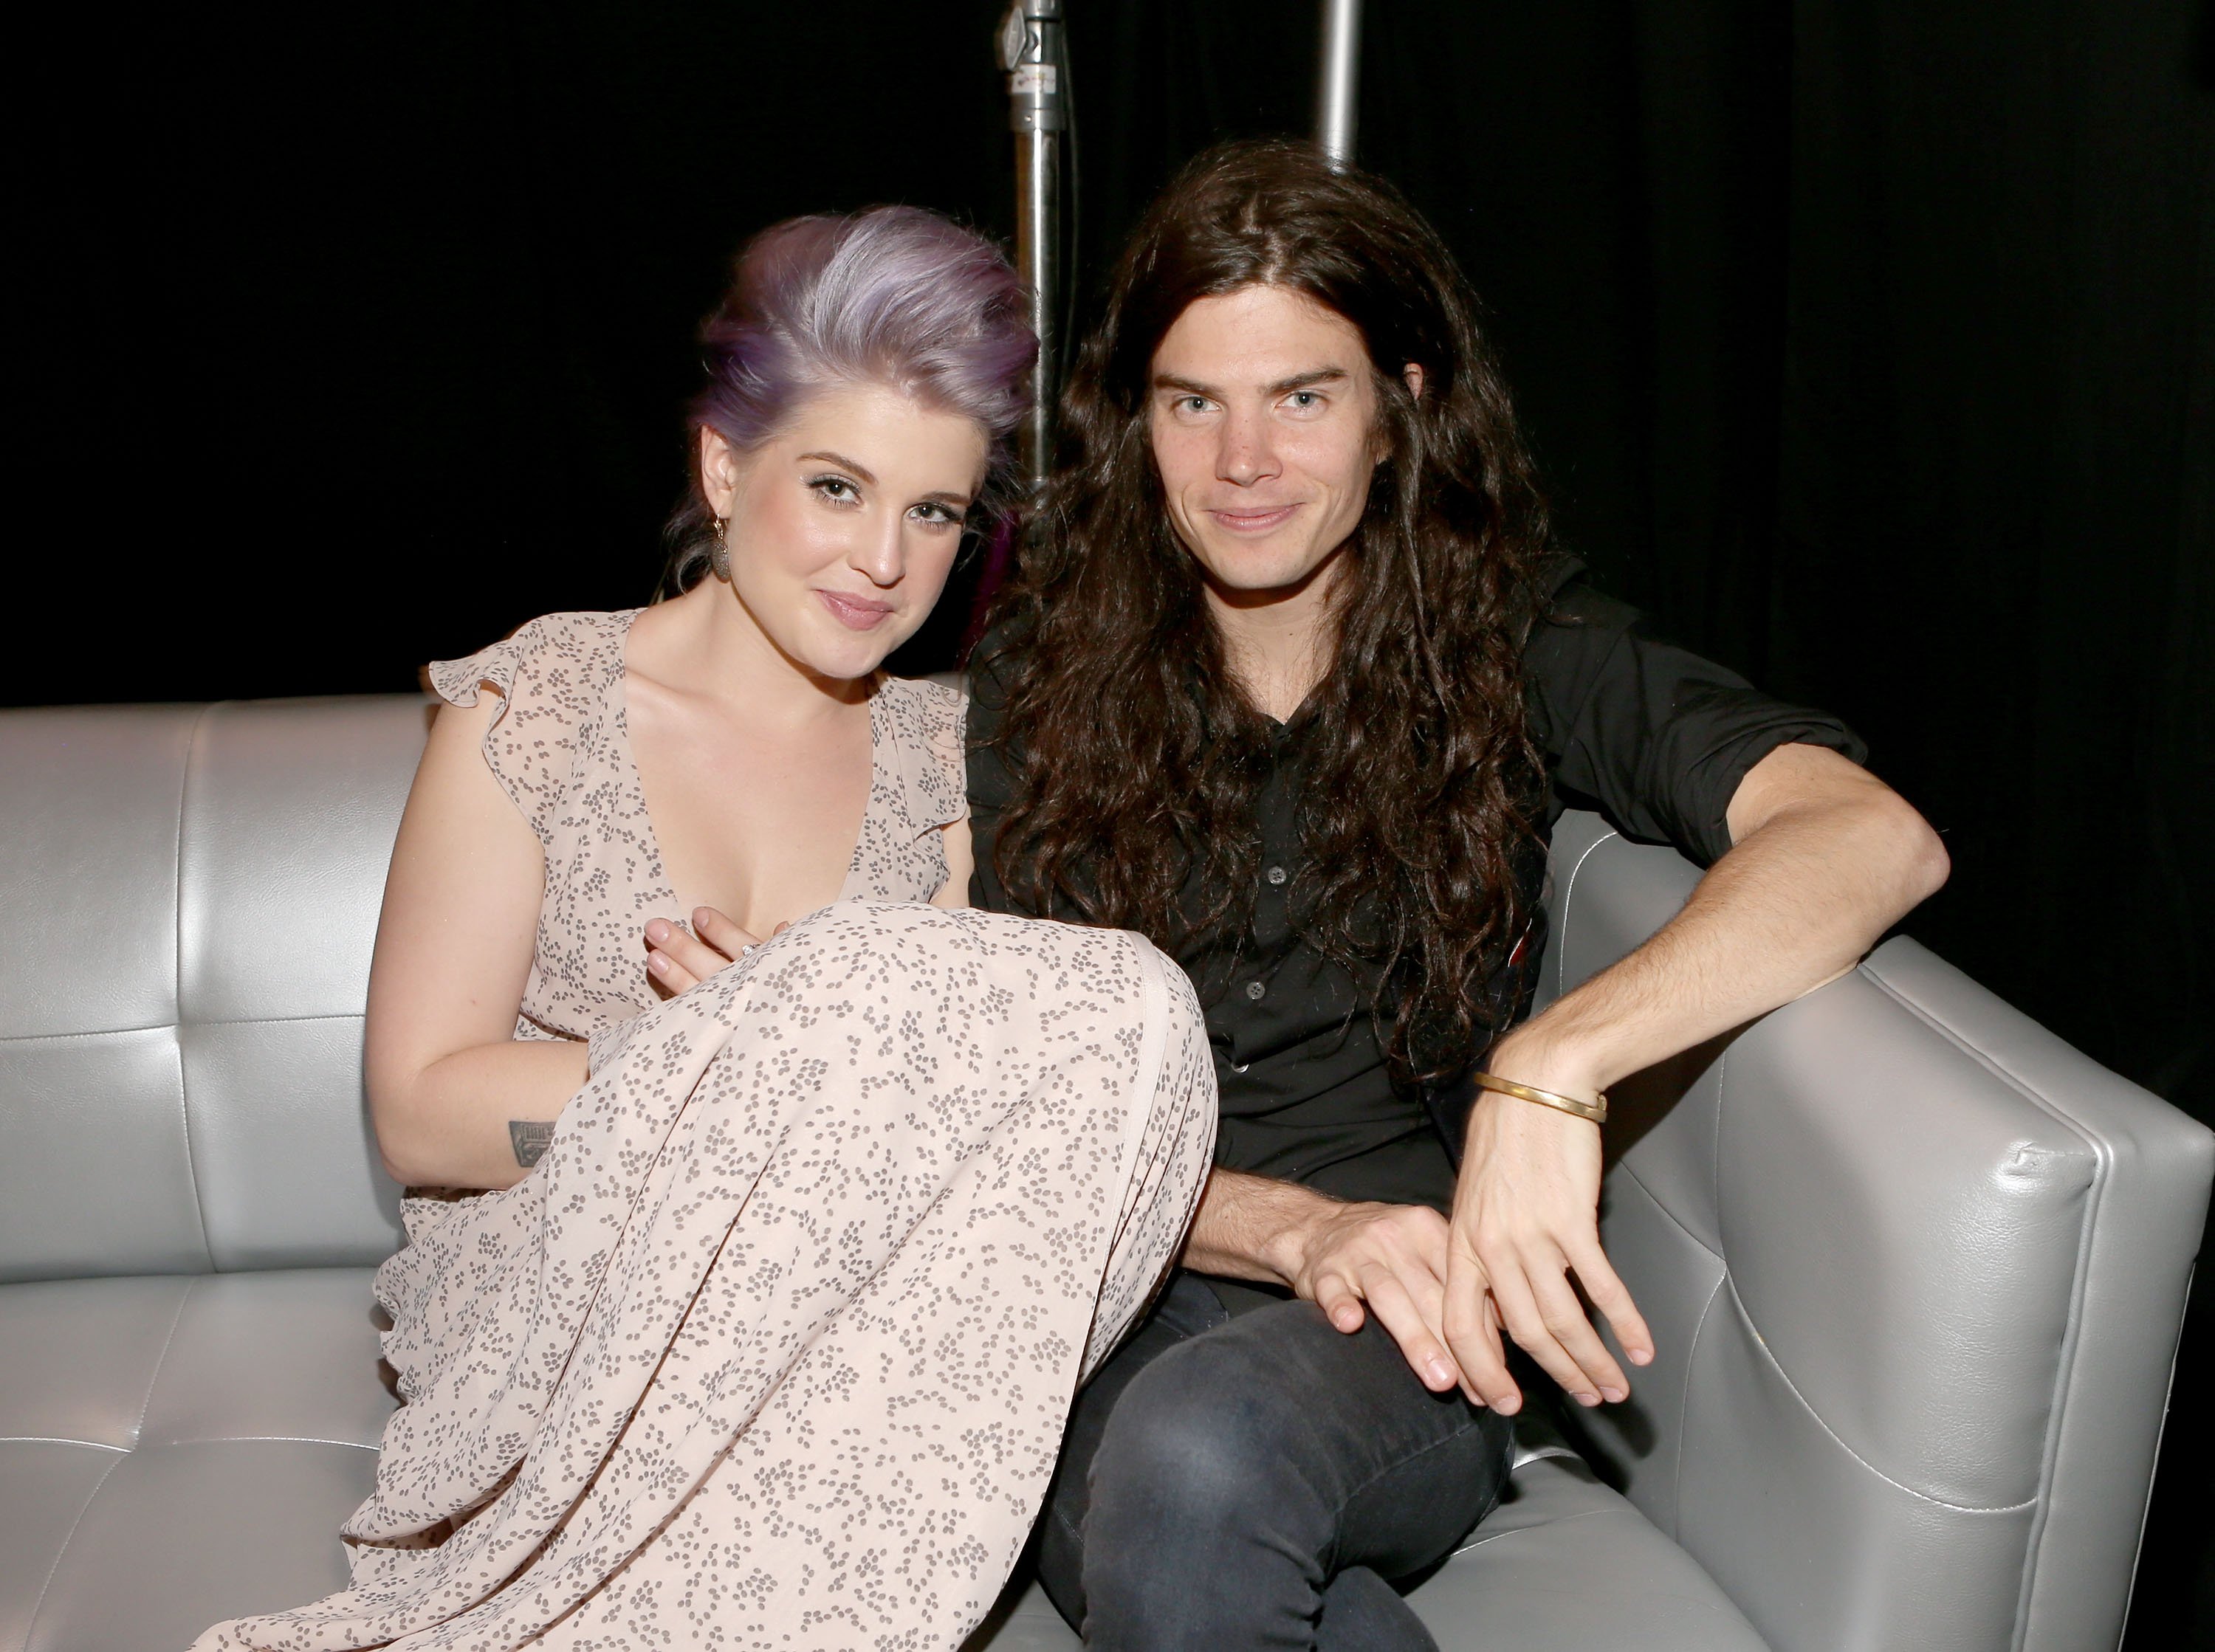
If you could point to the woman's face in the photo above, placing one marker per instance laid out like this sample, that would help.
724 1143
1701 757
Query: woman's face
844 527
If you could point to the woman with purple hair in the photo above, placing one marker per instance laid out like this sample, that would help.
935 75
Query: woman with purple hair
748 1311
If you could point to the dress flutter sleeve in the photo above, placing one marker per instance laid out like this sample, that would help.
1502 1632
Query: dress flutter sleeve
530 744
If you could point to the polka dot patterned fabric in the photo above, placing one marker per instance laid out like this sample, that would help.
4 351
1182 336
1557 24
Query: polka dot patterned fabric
775 1345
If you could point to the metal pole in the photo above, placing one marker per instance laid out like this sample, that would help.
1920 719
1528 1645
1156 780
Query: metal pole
1338 80
1032 51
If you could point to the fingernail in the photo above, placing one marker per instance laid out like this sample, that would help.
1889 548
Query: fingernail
1616 1395
1507 1407
1441 1373
1587 1399
659 965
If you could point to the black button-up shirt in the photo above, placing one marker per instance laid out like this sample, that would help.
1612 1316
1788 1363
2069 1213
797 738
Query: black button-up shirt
1653 736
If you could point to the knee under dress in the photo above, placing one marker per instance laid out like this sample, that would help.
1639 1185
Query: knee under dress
775 1346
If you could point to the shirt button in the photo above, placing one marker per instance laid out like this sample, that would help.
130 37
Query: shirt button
1276 875
1254 989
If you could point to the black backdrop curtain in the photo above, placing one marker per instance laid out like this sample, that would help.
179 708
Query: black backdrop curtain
1870 345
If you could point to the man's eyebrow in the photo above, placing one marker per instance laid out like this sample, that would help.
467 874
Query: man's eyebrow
1307 380
843 463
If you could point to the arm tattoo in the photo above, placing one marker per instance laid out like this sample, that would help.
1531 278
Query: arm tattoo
530 1138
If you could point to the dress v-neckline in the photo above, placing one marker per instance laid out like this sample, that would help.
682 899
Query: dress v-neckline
626 760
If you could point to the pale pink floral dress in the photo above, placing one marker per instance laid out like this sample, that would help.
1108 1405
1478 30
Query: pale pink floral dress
775 1347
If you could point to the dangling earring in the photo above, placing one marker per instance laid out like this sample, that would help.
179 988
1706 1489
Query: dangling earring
719 554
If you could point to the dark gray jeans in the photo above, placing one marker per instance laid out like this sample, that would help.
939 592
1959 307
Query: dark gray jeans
1253 1482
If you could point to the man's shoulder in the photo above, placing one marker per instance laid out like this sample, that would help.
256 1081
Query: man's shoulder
1570 599
1577 627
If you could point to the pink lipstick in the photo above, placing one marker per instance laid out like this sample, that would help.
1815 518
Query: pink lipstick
856 613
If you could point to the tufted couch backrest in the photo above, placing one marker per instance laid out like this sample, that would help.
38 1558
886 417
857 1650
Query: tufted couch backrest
189 899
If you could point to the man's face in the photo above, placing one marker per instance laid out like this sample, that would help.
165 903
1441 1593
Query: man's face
1263 422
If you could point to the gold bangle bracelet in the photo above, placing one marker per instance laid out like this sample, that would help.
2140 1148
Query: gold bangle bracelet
1594 1110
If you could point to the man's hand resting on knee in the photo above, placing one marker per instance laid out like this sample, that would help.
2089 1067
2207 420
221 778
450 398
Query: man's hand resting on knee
1534 1203
1350 1260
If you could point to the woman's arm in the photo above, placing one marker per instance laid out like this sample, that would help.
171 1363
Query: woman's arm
457 1100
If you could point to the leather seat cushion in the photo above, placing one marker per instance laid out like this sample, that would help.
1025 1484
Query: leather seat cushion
177 1450
1562 1565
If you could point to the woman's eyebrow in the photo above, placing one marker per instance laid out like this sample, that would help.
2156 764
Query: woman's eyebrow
843 463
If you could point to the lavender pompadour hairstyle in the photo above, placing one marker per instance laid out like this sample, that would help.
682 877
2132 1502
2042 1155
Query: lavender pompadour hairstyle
896 296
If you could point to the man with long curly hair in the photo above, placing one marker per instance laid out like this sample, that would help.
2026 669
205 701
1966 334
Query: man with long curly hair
1293 680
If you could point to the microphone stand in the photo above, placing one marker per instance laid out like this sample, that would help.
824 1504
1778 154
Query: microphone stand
1034 54
1338 79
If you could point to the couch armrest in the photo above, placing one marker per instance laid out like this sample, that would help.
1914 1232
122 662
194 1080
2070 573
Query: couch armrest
1916 1268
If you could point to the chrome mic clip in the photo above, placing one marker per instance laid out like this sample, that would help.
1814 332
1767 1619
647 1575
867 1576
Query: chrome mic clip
1032 53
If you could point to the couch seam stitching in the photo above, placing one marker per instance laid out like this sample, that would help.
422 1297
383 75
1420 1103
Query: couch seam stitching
31 1623
153 1381
1776 1365
88 1032
1684 1404
269 1020
1568 893
269 1439
1715 1160
59 1439
2094 1196
1714 1204
178 1025
177 964
1623 1166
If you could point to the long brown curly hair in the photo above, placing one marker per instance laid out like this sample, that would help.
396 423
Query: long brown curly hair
1135 755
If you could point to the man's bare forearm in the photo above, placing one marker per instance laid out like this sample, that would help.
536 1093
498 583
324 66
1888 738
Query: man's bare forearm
1249 1227
1797 902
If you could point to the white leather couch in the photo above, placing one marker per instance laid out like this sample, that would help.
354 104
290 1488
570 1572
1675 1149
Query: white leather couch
1915 1267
